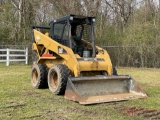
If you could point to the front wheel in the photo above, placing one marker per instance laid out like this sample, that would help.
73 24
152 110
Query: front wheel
57 78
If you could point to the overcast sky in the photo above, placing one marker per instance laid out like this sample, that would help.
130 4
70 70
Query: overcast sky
155 1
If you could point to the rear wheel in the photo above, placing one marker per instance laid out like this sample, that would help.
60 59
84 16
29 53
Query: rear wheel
57 78
39 76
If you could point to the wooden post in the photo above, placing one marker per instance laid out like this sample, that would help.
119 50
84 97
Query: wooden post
27 55
7 58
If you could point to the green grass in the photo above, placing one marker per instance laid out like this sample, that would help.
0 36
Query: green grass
19 100
149 79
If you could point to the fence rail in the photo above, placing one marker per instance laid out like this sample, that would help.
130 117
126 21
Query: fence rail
12 55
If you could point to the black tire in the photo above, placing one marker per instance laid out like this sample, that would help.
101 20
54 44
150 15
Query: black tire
57 78
39 76
115 71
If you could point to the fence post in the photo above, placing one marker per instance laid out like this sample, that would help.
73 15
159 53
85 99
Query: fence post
27 55
7 59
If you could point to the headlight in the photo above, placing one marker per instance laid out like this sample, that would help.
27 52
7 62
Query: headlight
71 18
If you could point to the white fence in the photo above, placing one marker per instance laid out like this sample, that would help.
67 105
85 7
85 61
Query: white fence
12 57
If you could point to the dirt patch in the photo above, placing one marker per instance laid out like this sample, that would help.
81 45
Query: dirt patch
31 93
147 114
135 111
55 115
63 114
81 111
32 117
14 104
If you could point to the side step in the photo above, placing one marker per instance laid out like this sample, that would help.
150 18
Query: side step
99 89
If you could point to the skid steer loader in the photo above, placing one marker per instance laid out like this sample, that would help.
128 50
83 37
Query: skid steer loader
68 62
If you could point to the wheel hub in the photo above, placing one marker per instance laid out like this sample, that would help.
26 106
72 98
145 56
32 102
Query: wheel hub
54 79
35 76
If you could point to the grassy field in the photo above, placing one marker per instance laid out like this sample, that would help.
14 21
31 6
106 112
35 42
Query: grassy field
19 100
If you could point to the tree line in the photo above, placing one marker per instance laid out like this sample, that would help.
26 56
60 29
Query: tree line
130 27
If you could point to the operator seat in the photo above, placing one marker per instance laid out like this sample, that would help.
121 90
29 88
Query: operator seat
76 45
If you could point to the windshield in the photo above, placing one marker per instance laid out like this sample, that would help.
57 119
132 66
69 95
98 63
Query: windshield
81 31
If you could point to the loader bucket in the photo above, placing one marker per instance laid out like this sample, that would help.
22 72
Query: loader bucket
99 89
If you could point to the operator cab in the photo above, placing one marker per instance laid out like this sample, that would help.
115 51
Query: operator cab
76 32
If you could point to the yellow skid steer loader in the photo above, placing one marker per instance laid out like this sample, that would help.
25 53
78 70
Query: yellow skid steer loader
67 61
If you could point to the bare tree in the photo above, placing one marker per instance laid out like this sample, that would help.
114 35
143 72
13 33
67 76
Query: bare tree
122 10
